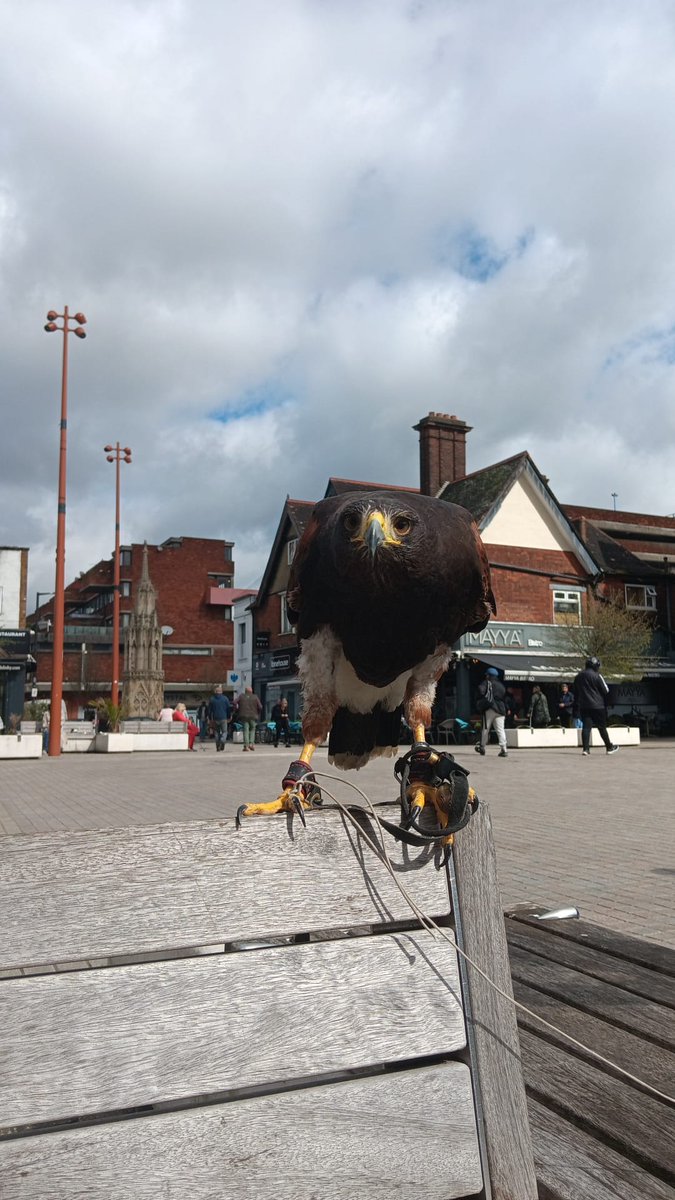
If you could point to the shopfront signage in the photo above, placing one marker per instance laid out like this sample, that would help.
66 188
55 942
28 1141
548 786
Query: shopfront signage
494 637
15 639
280 662
262 641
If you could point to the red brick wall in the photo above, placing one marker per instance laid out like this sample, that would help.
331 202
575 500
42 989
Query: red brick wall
522 596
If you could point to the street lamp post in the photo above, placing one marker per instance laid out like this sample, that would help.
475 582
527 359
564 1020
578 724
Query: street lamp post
59 585
116 454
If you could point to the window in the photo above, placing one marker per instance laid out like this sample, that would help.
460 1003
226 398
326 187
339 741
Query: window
227 612
638 595
567 608
242 633
291 548
0 599
125 558
286 626
125 618
125 587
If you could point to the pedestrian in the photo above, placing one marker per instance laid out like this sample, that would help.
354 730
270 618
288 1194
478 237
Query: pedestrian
282 728
590 704
166 713
219 715
248 713
538 713
45 730
490 703
203 721
180 713
566 706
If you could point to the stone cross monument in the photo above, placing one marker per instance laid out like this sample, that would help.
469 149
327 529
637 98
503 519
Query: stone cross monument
143 675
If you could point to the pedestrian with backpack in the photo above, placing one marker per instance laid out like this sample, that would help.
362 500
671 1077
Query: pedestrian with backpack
491 704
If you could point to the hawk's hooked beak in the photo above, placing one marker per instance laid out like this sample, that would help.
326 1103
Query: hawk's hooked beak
378 531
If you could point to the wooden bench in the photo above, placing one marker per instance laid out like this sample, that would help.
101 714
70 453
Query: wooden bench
596 1134
192 1011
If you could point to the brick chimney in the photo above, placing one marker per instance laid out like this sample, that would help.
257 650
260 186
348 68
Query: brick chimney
442 451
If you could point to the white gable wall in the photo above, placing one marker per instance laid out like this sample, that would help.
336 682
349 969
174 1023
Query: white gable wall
524 519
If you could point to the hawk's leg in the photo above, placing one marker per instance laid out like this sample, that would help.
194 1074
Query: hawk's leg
419 791
300 790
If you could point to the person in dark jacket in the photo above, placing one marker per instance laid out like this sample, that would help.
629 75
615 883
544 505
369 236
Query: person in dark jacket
565 706
203 721
590 703
538 711
282 727
219 715
490 703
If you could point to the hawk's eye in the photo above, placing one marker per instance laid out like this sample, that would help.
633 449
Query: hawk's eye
352 522
402 524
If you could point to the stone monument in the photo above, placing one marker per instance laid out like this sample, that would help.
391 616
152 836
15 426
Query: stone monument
143 676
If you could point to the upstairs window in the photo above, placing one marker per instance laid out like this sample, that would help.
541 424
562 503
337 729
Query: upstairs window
125 558
242 633
291 548
639 595
286 626
567 608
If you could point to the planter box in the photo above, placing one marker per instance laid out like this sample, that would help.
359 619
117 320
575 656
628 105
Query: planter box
21 745
159 741
535 739
114 743
621 735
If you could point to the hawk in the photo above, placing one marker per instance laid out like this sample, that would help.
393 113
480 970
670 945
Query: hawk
382 585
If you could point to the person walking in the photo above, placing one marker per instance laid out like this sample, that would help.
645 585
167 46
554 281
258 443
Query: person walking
219 715
282 728
590 704
491 705
565 706
248 713
538 713
203 722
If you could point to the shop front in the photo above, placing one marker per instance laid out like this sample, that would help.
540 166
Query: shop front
274 679
16 663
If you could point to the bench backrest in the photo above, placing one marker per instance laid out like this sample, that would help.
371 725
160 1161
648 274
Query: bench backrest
133 726
267 997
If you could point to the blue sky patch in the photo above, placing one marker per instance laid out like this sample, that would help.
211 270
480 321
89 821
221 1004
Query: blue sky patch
253 403
476 256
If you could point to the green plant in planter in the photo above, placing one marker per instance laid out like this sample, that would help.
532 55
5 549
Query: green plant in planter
35 710
110 715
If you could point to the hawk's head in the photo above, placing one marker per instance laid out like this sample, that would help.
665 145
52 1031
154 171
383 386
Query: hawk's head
371 527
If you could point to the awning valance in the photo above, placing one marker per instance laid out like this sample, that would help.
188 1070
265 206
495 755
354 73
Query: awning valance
533 667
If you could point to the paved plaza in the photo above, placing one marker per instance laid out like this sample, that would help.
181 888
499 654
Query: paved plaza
597 832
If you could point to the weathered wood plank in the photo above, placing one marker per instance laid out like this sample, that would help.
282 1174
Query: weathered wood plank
642 1127
583 958
651 1063
100 894
492 1021
628 1011
573 1166
621 945
105 1039
409 1135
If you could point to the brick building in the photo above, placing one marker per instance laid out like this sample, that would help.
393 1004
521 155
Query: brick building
544 561
193 578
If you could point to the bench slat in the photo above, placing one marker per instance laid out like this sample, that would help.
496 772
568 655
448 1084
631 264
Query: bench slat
92 895
573 1166
107 1039
410 1136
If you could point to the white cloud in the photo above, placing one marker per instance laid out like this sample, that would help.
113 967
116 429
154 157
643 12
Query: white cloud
318 222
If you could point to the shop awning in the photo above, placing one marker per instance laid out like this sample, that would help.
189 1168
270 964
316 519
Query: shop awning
533 667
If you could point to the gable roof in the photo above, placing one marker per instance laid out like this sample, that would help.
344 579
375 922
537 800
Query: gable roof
483 492
611 557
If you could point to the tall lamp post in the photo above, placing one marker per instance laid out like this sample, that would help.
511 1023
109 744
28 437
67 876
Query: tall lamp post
59 585
116 454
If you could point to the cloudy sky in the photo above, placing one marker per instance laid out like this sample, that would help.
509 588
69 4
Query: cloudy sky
297 226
